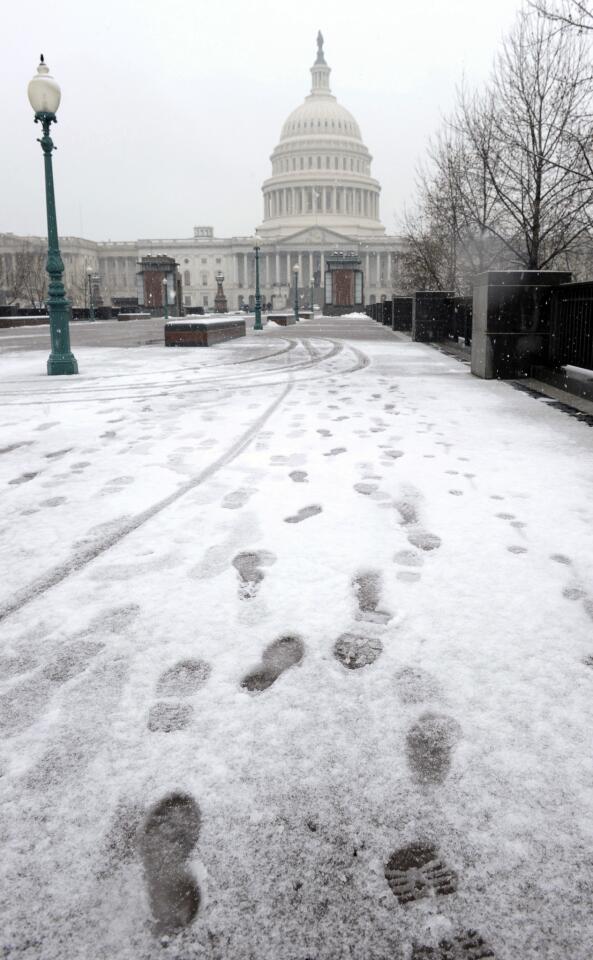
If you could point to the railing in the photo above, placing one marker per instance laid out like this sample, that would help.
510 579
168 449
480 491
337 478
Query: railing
460 319
571 325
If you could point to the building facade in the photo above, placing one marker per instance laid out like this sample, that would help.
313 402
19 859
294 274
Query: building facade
320 199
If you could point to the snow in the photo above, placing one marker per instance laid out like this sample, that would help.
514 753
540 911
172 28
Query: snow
143 528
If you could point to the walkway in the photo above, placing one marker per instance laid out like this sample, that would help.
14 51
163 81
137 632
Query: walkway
297 656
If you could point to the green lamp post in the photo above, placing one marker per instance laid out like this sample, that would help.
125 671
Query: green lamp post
258 324
89 274
166 298
44 96
295 270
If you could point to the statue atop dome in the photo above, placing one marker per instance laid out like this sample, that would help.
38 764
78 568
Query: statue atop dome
320 56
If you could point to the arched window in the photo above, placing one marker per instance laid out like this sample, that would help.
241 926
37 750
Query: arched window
327 163
186 278
319 163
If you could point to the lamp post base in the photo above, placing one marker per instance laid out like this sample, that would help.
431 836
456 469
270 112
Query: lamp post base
59 365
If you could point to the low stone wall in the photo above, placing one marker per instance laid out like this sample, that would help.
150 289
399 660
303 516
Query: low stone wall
134 316
200 333
282 319
35 321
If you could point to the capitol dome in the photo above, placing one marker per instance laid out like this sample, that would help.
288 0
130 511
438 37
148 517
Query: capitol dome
321 169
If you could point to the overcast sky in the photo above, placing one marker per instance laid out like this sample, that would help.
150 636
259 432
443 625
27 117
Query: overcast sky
171 108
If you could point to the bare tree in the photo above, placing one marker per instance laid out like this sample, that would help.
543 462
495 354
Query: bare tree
535 109
31 267
11 279
574 14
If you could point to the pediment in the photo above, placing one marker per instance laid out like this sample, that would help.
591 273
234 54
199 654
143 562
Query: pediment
316 235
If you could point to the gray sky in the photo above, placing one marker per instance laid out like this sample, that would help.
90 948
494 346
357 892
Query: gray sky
171 108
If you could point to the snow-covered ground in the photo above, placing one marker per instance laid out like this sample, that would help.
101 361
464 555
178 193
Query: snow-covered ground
297 658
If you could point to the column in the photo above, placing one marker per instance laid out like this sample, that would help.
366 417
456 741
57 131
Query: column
277 278
300 268
311 267
367 269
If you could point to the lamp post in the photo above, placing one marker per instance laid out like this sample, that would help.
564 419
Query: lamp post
89 274
44 96
295 270
258 324
166 298
220 301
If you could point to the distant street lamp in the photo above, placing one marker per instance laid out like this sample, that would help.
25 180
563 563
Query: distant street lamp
166 298
258 324
44 96
220 301
295 270
89 274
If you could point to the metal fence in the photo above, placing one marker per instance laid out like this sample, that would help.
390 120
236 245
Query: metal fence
571 325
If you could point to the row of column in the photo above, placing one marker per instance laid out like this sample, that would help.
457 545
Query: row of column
292 201
277 268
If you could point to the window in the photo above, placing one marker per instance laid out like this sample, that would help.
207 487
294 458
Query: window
186 278
186 260
319 163
310 163
187 301
205 301
204 279
327 163
204 260
302 163
218 260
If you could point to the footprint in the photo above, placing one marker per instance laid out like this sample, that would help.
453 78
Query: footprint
248 565
416 871
335 452
423 540
299 476
429 746
394 454
24 478
108 435
407 510
367 589
72 661
468 945
561 558
57 454
574 592
164 717
304 513
366 488
517 549
415 685
355 651
325 433
279 656
46 426
456 493
408 558
53 502
183 679
505 516
237 498
166 839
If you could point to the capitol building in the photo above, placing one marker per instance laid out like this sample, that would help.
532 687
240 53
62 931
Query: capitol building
321 199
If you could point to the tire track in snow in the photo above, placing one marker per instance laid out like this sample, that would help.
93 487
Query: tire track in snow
81 559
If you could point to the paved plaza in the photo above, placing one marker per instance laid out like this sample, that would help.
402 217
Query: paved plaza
297 655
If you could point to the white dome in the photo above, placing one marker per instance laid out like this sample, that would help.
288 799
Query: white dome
321 169
320 116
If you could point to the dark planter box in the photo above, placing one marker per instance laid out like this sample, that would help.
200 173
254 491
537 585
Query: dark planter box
282 319
200 334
